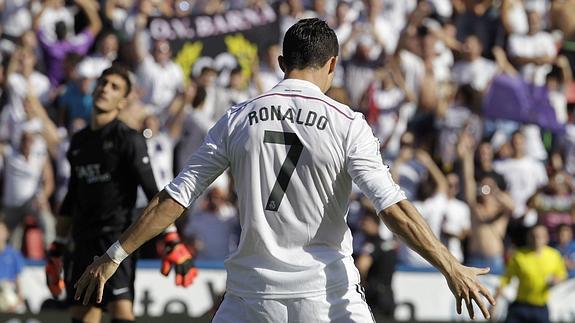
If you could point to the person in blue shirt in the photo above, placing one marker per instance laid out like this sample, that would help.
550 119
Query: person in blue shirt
566 246
11 265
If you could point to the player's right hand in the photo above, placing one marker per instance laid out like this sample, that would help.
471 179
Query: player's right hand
465 286
55 269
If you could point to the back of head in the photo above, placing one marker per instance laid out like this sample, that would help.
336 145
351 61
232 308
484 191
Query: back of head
310 43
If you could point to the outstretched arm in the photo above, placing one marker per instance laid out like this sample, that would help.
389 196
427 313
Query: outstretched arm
404 220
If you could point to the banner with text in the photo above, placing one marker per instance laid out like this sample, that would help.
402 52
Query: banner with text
221 41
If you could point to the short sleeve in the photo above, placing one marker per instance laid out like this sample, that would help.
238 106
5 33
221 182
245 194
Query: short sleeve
204 166
366 168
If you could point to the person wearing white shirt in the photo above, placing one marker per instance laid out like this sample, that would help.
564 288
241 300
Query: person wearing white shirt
293 153
28 182
533 52
473 69
24 83
523 174
159 77
456 223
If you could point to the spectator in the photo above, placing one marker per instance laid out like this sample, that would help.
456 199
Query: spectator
213 229
407 170
555 203
523 175
15 18
56 50
236 92
538 268
22 82
473 69
534 52
191 122
75 102
456 224
11 266
27 168
484 165
557 81
452 119
106 52
514 17
268 73
160 78
388 94
566 246
490 209
376 265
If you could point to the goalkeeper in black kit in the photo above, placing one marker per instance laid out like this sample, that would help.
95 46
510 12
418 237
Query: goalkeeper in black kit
108 162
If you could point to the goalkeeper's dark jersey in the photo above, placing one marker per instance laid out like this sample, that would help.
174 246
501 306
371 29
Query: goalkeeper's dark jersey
107 165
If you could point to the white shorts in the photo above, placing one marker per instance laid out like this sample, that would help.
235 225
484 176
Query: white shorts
341 306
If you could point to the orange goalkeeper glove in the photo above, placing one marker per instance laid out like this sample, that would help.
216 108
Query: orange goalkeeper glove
55 269
178 256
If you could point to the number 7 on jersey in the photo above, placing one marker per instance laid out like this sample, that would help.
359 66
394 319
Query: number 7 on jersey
288 166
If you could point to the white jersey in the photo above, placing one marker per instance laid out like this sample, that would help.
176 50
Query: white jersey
293 153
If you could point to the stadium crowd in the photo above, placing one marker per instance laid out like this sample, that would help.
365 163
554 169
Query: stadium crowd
428 75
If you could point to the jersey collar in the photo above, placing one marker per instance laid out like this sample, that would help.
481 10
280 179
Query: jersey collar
299 83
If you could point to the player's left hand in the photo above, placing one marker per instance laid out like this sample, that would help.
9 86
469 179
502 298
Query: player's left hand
94 278
464 284
176 255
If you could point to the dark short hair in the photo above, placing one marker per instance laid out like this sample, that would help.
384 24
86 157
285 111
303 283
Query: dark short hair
310 43
121 71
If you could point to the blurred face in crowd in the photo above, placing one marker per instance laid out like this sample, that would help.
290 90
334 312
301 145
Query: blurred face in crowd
538 237
110 93
373 7
216 198
534 22
485 153
565 234
341 11
162 52
236 80
518 144
319 6
109 46
207 77
407 142
29 40
472 48
27 61
559 183
295 5
370 225
428 46
452 185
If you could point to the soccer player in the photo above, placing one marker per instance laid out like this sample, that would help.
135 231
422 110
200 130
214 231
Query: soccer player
108 161
293 153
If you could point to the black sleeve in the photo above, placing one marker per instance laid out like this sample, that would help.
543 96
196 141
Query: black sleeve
68 203
141 165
